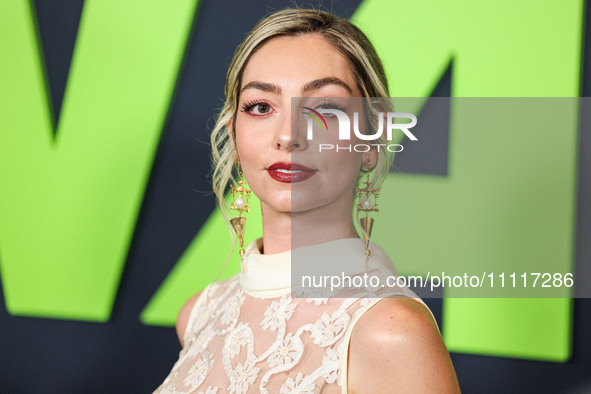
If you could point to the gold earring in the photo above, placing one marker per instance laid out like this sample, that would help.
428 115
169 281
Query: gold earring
240 196
366 195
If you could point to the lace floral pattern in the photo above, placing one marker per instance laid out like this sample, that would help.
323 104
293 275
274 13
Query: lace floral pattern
238 343
277 313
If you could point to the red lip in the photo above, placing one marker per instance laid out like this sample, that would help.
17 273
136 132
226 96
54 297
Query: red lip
302 173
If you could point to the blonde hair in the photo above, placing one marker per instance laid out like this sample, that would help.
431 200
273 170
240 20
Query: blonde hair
344 37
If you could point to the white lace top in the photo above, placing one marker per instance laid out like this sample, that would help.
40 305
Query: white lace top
247 334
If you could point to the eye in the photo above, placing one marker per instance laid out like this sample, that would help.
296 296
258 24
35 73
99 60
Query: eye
262 108
257 108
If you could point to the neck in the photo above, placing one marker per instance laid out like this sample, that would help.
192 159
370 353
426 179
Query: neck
311 227
276 230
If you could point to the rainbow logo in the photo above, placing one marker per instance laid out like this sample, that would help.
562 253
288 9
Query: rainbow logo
316 118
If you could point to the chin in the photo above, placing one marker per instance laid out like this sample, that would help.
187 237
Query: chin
305 203
280 202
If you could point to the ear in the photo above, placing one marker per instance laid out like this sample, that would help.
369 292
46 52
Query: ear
369 159
230 128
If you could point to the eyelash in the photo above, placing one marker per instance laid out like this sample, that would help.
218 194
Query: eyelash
249 105
332 104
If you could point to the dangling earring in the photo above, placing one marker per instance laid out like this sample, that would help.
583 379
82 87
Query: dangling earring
366 205
240 196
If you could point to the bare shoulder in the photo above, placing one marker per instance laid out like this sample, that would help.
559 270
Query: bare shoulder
398 345
183 317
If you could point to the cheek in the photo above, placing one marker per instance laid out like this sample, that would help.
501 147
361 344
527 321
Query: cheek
253 133
352 167
250 145
247 142
343 168
244 148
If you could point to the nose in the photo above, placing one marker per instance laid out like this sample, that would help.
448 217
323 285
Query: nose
288 137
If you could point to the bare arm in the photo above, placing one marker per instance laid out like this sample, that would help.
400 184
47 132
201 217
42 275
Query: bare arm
396 348
183 317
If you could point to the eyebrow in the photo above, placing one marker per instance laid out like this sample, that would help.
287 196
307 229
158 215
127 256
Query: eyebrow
264 86
320 83
309 86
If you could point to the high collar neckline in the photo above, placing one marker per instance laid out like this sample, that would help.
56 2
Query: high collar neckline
269 275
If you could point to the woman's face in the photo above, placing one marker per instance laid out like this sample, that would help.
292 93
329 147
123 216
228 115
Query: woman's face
269 140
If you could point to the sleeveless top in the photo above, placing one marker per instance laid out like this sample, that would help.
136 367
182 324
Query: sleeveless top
247 333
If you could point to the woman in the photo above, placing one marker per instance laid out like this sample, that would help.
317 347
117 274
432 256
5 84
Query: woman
247 334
